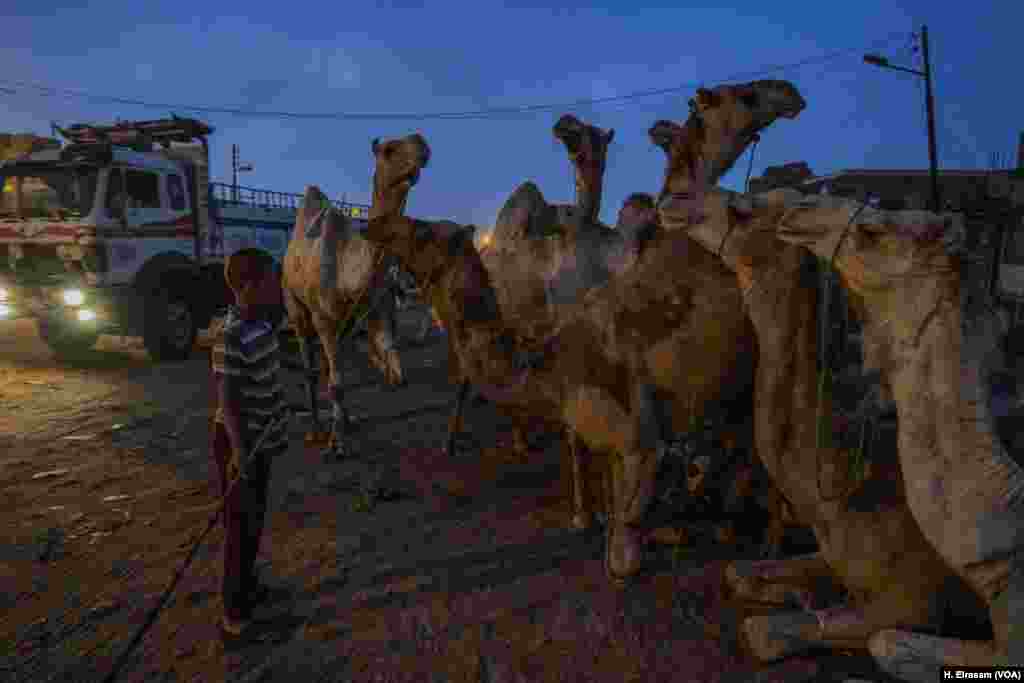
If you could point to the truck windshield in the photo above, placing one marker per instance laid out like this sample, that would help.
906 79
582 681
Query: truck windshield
58 194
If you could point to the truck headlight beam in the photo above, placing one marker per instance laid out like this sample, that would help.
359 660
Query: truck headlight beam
73 297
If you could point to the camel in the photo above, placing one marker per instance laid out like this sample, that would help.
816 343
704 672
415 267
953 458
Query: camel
936 345
528 244
607 372
333 277
543 258
877 552
704 325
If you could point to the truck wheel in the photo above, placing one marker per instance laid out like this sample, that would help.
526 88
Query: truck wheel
66 339
169 326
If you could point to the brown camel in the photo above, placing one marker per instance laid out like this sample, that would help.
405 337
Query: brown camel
333 278
543 258
876 551
937 349
705 326
611 369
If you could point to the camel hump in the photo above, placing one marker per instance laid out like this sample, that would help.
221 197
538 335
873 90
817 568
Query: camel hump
527 196
312 200
523 210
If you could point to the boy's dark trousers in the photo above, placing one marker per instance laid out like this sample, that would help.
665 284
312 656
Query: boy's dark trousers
244 513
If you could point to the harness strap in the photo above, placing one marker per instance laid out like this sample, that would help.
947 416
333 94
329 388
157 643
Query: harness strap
825 372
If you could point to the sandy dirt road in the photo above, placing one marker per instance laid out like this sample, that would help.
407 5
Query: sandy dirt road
403 565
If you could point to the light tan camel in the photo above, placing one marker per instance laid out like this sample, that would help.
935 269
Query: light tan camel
529 244
333 278
937 349
876 550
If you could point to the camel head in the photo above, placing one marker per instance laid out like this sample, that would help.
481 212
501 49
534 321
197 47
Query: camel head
425 248
723 123
873 249
397 170
588 151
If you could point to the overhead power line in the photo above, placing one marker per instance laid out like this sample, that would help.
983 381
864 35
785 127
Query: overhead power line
477 114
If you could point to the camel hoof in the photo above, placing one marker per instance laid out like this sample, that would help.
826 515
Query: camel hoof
725 534
317 438
459 447
581 521
622 555
338 452
774 636
770 550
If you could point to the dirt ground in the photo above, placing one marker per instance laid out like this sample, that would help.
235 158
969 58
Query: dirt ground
461 570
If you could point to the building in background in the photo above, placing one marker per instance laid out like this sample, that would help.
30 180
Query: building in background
991 199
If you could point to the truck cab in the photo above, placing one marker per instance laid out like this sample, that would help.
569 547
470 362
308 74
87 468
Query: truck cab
120 230
106 235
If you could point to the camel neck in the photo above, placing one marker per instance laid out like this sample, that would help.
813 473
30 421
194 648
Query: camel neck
784 312
588 198
388 201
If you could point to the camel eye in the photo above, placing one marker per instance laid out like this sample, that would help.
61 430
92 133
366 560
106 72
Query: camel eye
749 100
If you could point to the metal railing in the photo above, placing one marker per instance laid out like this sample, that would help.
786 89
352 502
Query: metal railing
226 194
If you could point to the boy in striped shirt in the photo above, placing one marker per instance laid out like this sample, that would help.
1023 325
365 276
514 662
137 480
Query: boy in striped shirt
250 404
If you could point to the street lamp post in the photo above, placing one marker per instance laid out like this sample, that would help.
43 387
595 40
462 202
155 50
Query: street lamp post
236 168
933 163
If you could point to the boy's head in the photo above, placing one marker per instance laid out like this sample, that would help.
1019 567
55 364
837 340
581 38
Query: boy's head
252 277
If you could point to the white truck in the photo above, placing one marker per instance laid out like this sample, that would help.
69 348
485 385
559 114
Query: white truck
120 231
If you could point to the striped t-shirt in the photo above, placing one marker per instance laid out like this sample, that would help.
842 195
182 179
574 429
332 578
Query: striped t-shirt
250 349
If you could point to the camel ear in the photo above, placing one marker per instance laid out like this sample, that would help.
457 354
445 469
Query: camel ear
747 94
661 134
705 99
374 146
609 136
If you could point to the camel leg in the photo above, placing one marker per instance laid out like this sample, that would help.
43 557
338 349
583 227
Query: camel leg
381 338
777 582
455 421
633 488
770 637
338 446
918 656
775 534
582 518
911 656
306 347
520 444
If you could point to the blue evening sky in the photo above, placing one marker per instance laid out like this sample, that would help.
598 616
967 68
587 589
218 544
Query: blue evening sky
442 57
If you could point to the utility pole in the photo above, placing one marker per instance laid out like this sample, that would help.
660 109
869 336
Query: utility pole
236 168
933 163
234 173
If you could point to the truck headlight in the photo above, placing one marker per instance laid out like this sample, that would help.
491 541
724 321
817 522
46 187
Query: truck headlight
73 297
85 315
5 311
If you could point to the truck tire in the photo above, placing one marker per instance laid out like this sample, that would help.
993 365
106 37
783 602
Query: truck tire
170 324
65 339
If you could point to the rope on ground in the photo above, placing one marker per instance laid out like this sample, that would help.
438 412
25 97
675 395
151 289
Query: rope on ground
155 612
